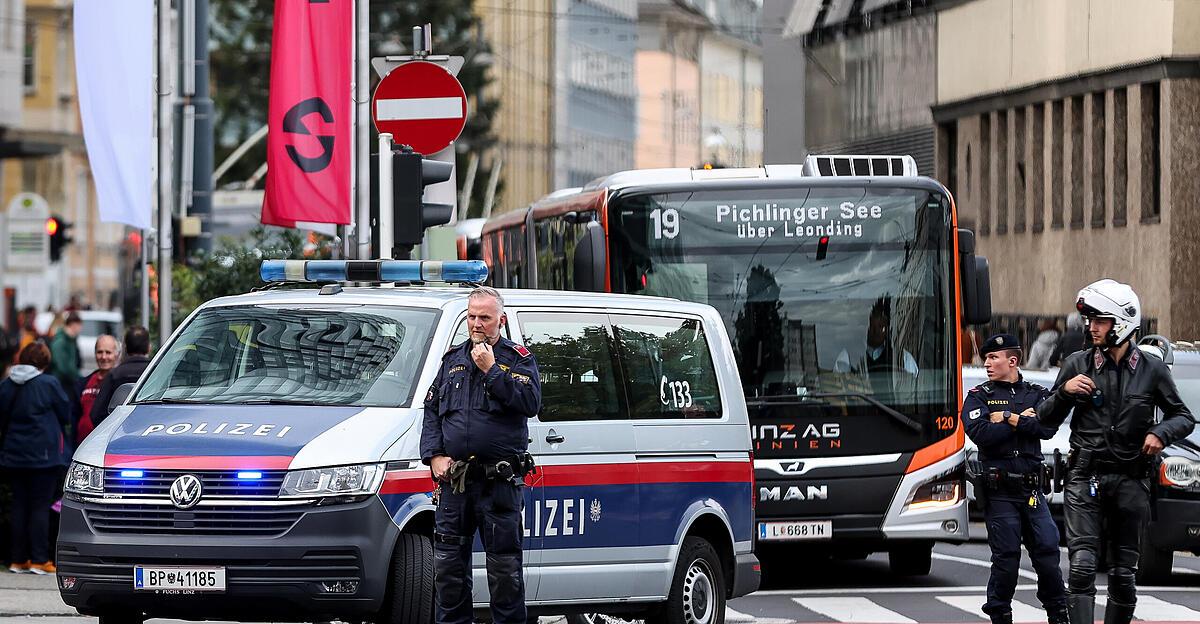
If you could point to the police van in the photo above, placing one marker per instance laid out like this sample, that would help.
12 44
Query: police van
265 466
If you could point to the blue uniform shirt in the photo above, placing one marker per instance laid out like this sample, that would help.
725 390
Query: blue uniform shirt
1013 449
470 413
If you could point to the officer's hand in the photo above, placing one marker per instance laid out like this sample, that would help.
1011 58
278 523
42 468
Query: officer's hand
440 465
996 417
1029 411
1152 445
1080 385
483 356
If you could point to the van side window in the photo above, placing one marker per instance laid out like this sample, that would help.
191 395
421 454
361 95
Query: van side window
576 363
668 367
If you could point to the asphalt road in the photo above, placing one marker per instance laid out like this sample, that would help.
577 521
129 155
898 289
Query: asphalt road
811 590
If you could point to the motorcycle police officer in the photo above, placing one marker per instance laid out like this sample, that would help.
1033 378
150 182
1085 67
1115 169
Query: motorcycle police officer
475 439
1115 439
998 416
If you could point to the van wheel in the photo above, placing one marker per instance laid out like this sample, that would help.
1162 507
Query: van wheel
698 588
409 598
911 559
122 617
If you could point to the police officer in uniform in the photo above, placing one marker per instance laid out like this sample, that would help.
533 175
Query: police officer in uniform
1115 440
999 418
475 439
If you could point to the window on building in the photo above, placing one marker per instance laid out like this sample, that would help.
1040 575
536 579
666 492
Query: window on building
1120 156
1150 165
1096 148
30 65
1000 128
1037 170
579 373
1020 175
985 174
1077 167
1057 198
668 367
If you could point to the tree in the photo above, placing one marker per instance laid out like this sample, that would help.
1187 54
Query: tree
241 62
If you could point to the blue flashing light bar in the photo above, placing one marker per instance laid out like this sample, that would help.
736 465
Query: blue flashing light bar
132 474
456 271
249 475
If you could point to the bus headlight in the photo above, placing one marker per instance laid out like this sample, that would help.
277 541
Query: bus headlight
339 481
1179 472
940 492
84 479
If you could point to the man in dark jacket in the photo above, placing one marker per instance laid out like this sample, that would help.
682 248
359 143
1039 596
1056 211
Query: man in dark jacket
137 358
1115 443
475 438
64 353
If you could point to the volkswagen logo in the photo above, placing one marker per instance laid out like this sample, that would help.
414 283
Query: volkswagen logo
185 491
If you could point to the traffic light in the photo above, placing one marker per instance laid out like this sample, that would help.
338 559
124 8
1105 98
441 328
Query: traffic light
411 173
57 230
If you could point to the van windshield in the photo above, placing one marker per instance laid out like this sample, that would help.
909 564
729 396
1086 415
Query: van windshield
366 356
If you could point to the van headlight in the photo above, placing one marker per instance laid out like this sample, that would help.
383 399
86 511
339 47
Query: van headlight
940 492
1179 472
84 479
336 481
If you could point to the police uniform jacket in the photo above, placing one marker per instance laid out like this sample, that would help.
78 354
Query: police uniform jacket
1012 449
469 413
1130 390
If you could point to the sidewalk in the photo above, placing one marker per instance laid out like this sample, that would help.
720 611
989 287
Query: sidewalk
26 594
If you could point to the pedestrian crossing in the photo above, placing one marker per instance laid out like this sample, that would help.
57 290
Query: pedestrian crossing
933 606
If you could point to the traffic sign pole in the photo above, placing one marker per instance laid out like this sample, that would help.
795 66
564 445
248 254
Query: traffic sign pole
386 215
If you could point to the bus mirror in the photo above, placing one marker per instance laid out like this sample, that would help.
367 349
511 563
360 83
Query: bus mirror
966 242
590 259
977 291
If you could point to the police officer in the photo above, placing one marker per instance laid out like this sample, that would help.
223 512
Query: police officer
474 440
998 416
1115 439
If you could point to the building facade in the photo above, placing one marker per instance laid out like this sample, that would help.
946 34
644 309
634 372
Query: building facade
1068 132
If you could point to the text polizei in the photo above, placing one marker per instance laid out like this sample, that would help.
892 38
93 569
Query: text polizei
225 428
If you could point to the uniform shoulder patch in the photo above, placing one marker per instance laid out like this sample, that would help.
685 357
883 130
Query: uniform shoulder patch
521 351
975 413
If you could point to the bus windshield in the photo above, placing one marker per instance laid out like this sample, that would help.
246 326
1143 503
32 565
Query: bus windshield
837 301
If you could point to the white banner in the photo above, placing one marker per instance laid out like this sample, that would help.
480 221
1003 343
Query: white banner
114 70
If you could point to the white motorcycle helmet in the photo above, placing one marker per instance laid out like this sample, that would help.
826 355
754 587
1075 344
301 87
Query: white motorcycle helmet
1111 299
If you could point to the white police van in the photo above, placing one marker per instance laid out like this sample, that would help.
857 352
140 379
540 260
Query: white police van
265 467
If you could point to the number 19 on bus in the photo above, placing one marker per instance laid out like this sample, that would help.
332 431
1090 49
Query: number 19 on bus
666 223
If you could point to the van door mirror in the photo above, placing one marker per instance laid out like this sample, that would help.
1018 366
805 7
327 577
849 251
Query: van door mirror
119 395
975 281
590 256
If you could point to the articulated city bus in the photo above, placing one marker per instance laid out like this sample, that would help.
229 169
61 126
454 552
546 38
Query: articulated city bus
843 284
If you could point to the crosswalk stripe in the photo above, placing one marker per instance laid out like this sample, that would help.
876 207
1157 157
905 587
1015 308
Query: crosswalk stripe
1151 608
852 609
972 604
735 616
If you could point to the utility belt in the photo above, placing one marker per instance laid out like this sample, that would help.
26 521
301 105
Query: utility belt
1091 462
506 469
998 480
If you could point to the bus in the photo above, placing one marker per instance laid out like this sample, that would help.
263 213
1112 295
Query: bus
845 286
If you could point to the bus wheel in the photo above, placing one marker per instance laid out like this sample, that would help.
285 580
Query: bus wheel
409 598
911 559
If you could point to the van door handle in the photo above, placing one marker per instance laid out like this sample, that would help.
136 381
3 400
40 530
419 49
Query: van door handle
554 438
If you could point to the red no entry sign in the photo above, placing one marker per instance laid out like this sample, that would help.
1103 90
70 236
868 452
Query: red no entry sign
420 104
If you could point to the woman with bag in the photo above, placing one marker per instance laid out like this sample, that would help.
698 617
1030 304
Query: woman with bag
33 424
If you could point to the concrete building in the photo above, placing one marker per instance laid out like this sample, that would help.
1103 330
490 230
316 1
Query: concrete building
668 84
1069 132
731 101
42 152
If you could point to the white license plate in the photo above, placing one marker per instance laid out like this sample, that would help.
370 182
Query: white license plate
816 530
183 579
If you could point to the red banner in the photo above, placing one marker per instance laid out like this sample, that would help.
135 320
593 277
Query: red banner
310 115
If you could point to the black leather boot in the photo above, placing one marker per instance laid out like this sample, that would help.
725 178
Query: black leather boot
1002 618
1081 608
1058 616
1117 613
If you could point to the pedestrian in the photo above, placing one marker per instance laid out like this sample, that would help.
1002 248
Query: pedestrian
137 358
29 332
999 417
35 416
1115 441
89 387
474 439
1072 340
1043 346
64 352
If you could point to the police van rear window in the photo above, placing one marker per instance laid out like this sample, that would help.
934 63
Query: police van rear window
367 356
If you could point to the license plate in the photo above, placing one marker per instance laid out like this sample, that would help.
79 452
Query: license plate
816 530
181 579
